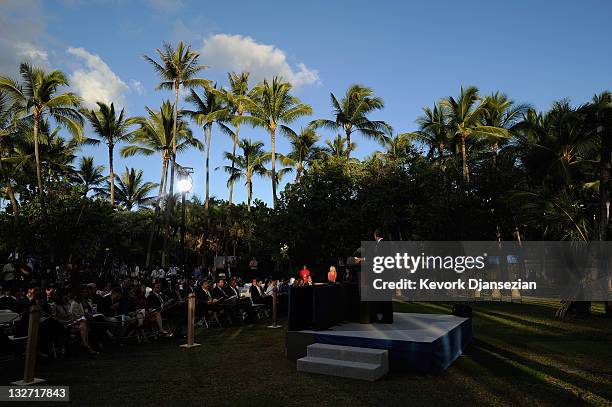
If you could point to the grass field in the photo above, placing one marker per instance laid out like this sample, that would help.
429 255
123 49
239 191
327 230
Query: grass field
521 355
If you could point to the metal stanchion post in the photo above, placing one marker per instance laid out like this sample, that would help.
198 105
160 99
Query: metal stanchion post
274 307
190 322
31 352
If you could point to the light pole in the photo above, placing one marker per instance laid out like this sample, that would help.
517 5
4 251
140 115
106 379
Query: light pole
184 185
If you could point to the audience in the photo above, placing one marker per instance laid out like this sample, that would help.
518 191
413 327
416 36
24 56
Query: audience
96 306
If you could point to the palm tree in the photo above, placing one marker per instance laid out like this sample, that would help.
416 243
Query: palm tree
552 146
89 175
465 114
209 110
303 147
36 98
396 147
155 135
272 106
598 118
351 113
246 165
112 129
132 191
237 98
337 147
433 130
501 112
178 68
9 132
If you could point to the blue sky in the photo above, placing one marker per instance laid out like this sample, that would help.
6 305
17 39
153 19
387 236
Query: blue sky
410 53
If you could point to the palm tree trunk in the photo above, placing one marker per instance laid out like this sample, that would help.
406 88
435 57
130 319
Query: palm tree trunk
111 177
494 157
231 185
156 213
208 166
348 144
298 171
37 157
169 202
249 192
466 174
273 157
11 193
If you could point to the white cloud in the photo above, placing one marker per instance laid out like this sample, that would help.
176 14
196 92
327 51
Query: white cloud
137 86
95 81
238 53
22 30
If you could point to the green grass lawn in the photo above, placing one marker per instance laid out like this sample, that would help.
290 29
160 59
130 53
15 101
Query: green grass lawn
521 355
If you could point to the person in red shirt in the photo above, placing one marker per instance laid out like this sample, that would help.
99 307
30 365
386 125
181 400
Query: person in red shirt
304 273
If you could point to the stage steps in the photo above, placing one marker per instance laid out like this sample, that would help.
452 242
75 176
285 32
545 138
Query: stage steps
345 361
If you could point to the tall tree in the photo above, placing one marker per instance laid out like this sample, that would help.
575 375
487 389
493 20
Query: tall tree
9 132
36 97
177 68
351 113
209 110
89 175
337 147
465 119
303 147
237 98
434 131
396 147
247 164
272 106
132 190
154 135
503 113
111 129
598 119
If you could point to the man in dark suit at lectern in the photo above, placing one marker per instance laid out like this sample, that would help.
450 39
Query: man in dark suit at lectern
374 311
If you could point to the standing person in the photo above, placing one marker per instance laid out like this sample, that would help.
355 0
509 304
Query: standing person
332 275
382 310
304 273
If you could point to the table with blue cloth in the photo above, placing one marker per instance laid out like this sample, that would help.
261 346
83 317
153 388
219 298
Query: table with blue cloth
322 306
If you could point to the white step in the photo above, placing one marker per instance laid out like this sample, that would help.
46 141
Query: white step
342 368
348 353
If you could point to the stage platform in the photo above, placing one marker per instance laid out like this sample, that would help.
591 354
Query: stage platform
424 343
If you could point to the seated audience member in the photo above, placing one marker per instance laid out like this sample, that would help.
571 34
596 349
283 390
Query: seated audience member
231 289
219 292
8 274
155 305
61 310
48 299
256 292
92 294
109 304
203 294
304 273
270 287
25 302
137 307
8 301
